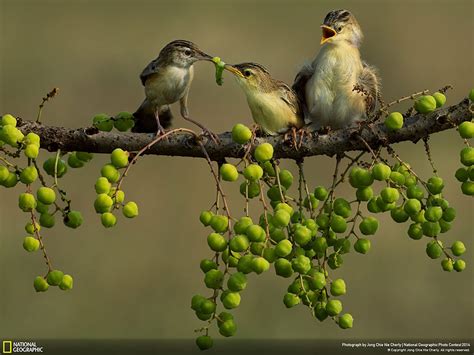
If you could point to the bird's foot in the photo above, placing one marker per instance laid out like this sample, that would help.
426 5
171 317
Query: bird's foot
160 132
324 130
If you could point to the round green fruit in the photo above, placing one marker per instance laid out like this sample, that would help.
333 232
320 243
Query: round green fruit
434 250
394 121
74 162
32 151
433 213
251 189
320 193
119 158
244 264
263 152
439 98
231 300
381 172
108 220
46 195
207 265
84 156
205 217
302 235
389 195
415 231
237 282
466 130
228 328
467 156
286 178
291 300
362 245
364 193
436 184
124 121
462 174
204 342
260 265
216 242
47 220
73 219
346 321
54 277
369 225
213 279
253 172
102 185
416 192
49 166
103 122
425 104
31 228
301 264
333 307
31 244
338 224
255 233
459 265
399 215
40 284
447 264
338 287
241 134
342 207
8 120
103 203
360 177
467 188
431 229
242 224
412 206
283 248
219 223
239 243
283 268
110 173
28 175
229 172
26 202
458 248
66 283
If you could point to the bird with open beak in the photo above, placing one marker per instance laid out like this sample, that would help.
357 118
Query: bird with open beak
338 88
274 106
167 79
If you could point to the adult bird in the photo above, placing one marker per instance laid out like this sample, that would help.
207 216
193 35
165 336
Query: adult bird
167 79
338 88
274 106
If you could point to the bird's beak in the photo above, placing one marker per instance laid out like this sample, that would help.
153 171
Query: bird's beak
203 56
328 33
233 70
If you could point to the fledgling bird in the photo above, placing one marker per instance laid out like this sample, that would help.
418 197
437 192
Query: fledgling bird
274 106
167 79
338 88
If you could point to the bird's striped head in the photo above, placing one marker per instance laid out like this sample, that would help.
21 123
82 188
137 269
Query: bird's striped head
341 25
251 76
182 53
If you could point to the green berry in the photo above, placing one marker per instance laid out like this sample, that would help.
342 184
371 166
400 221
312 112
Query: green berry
467 156
216 242
369 225
219 223
283 268
263 152
108 220
283 248
433 213
110 173
31 244
47 220
458 248
447 264
372 205
66 283
381 172
231 300
49 166
26 202
338 224
228 328
241 134
360 177
260 265
415 231
207 307
102 185
239 243
213 279
439 98
74 162
389 195
46 195
253 172
425 104
196 302
281 218
130 210
364 193
244 264
103 122
333 307
124 121
301 264
342 207
345 321
242 224
459 265
394 121
467 188
434 249
320 193
237 282
286 178
32 151
320 245
204 342
28 175
466 130
84 156
412 206
11 135
252 189
3 173
40 284
207 265
338 287
415 192
435 184
8 120
291 300
55 277
119 158
228 172
302 235
205 217
73 219
399 215
431 229
462 174
30 228
255 233
103 203
362 245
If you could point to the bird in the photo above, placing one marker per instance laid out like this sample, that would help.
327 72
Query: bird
337 88
273 104
167 79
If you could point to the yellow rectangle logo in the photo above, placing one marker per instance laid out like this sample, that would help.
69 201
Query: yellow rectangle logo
7 347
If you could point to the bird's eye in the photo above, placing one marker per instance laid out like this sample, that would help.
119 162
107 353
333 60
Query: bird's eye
339 29
247 73
187 52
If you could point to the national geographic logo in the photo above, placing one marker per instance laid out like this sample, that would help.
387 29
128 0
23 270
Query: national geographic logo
15 347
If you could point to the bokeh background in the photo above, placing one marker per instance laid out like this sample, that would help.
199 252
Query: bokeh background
136 280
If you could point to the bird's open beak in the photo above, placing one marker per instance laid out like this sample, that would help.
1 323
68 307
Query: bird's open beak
233 70
328 33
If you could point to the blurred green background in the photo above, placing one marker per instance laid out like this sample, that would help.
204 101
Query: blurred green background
136 280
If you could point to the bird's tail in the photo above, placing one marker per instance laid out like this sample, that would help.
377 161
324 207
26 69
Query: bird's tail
145 120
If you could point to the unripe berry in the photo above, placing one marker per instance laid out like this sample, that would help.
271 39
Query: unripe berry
286 178
268 168
123 121
364 193
439 98
219 223
425 104
205 217
213 279
11 135
119 158
253 172
389 195
338 224
447 264
369 225
301 264
433 213
260 265
372 205
317 281
394 121
362 246
415 192
117 195
229 172
462 174
3 173
228 328
283 248
255 233
241 134
73 219
467 188
216 242
412 206
333 307
360 177
466 130
237 282
110 173
207 265
49 166
103 203
46 195
342 207
458 248
252 189
66 283
204 342
459 265
415 231
397 178
26 202
108 220
47 220
291 300
31 244
8 120
102 185
263 152
239 243
30 228
28 175
399 215
436 184
320 193
54 277
338 287
32 151
302 235
84 156
103 122
244 264
74 162
40 284
283 268
242 224
434 249
231 300
345 321
431 229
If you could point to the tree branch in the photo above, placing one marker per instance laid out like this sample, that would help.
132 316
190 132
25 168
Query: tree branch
375 135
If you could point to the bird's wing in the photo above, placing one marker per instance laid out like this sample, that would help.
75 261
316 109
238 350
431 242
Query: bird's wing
369 82
150 69
299 85
290 98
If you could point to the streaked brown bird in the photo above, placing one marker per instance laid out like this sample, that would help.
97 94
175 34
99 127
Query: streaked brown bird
338 88
274 106
167 79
